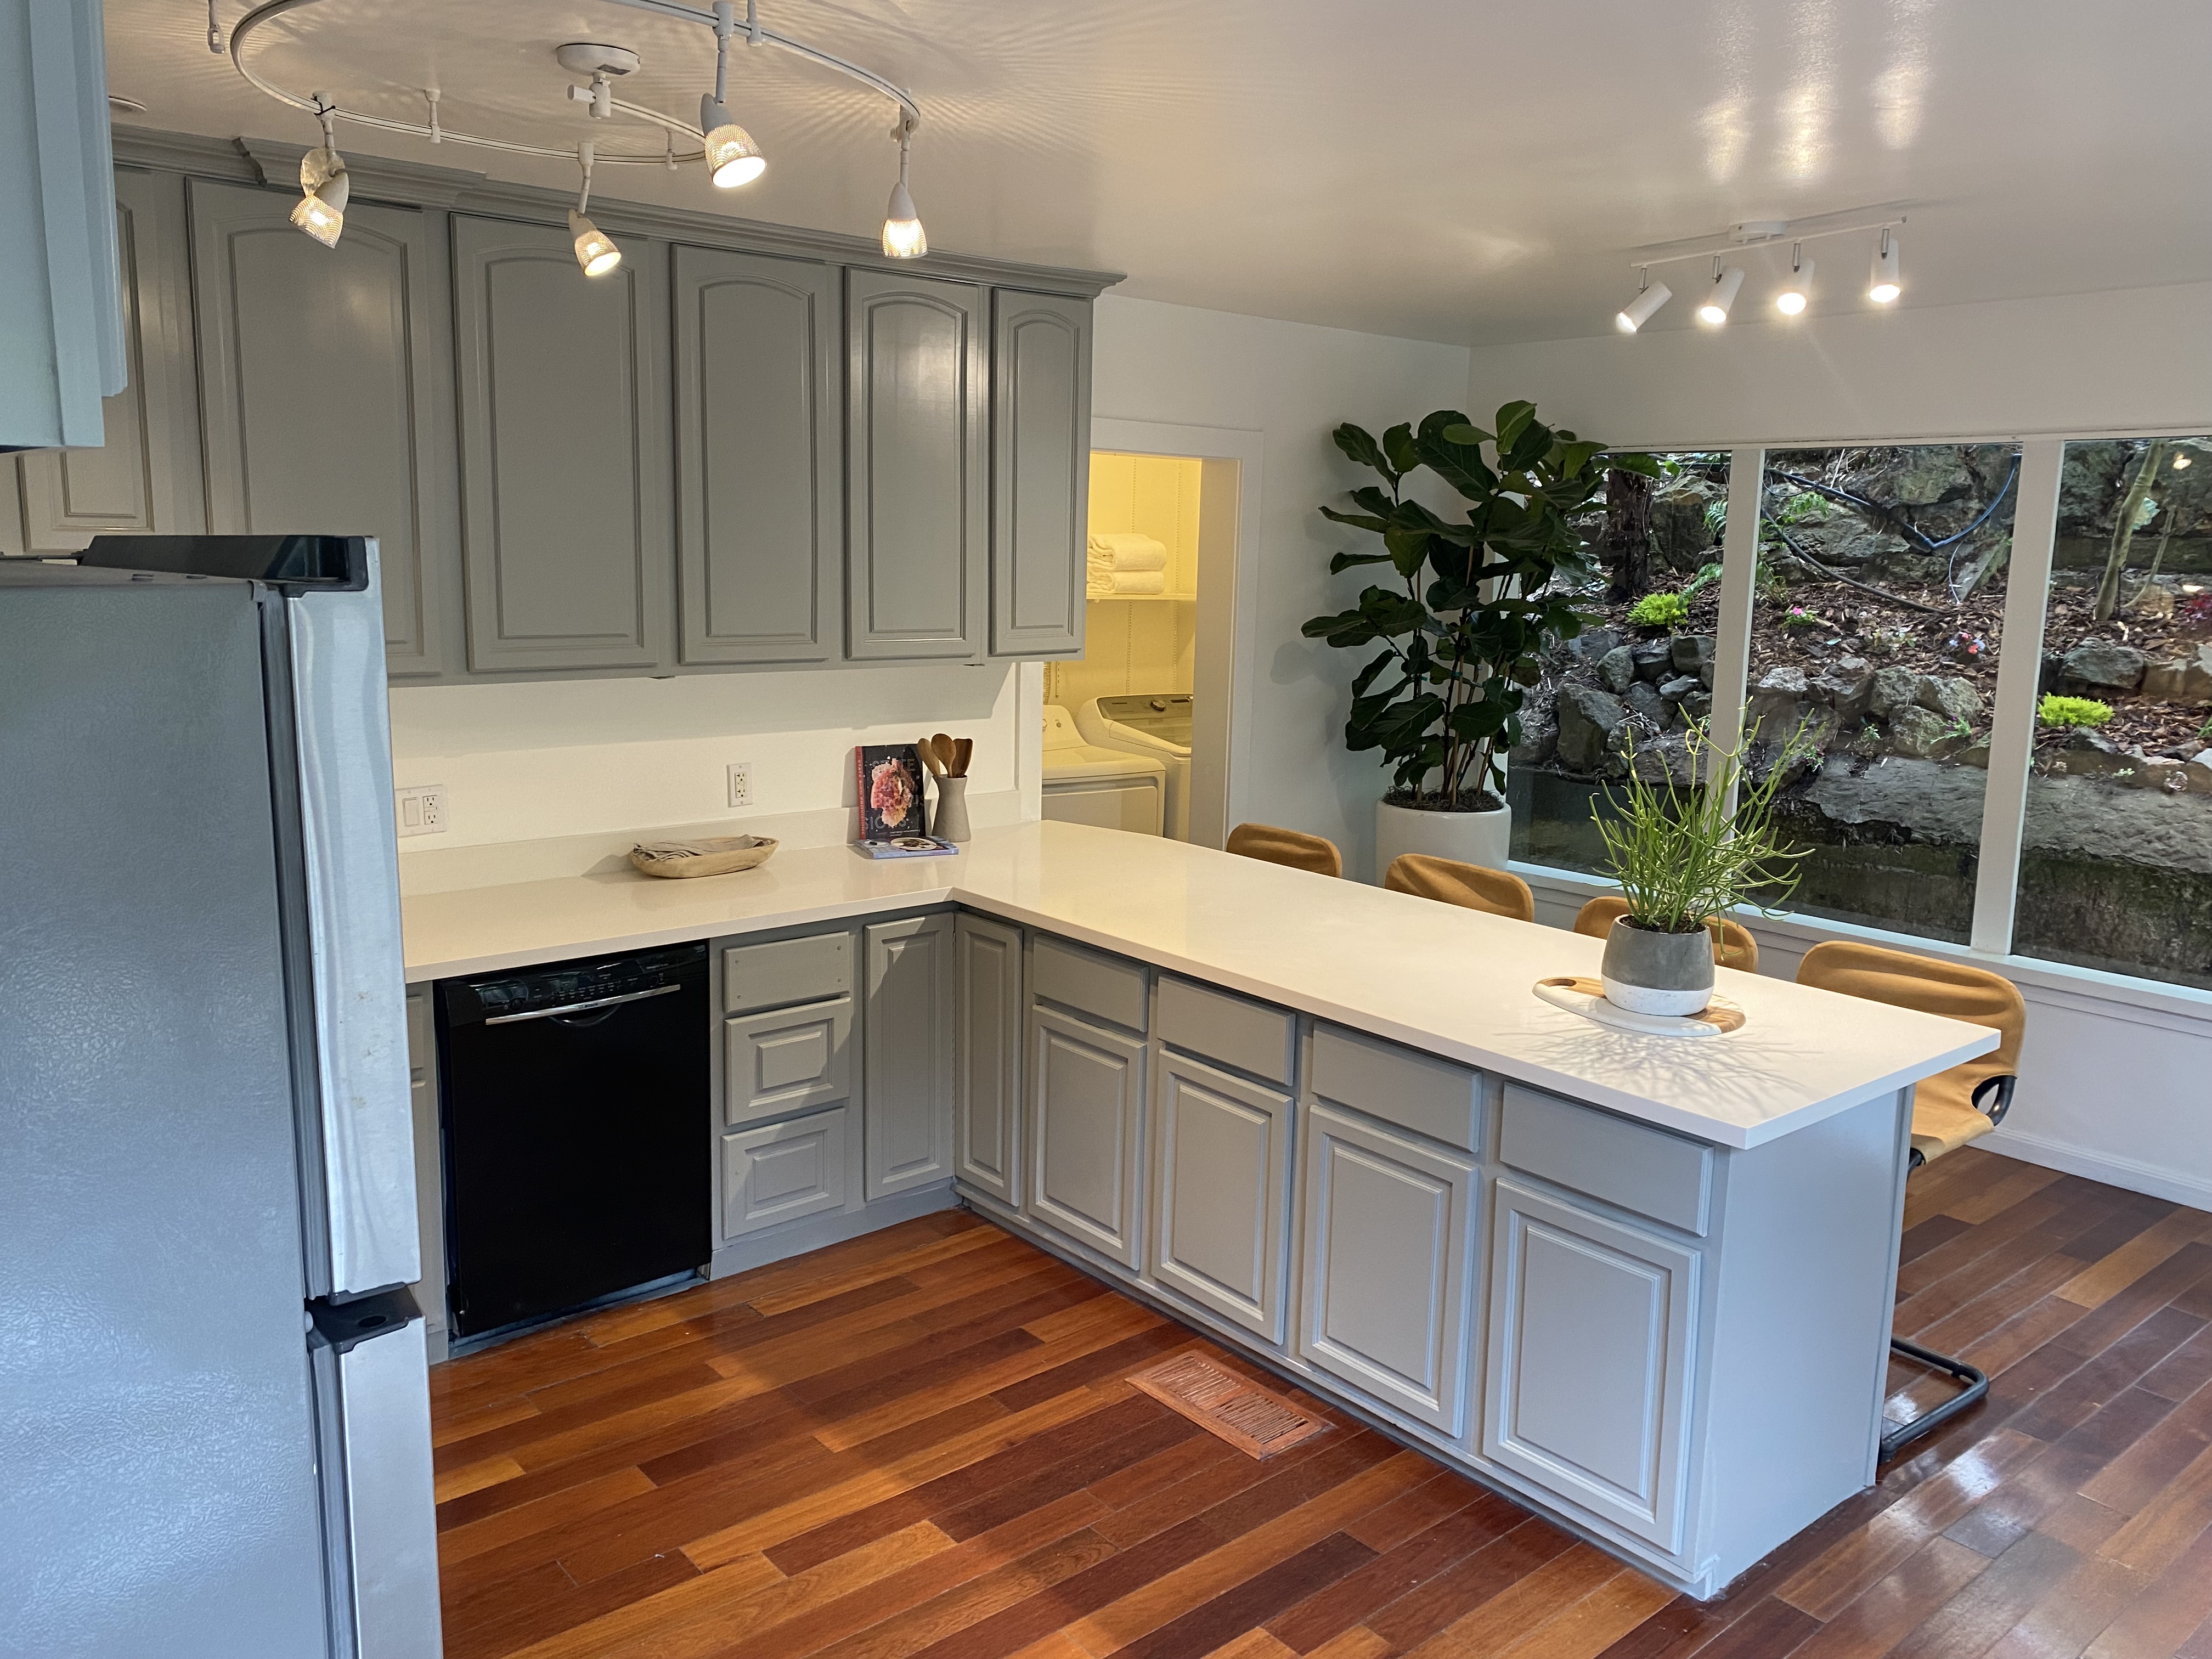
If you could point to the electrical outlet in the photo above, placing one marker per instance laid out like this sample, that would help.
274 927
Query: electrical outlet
421 809
741 783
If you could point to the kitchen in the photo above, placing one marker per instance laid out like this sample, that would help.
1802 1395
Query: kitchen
870 1250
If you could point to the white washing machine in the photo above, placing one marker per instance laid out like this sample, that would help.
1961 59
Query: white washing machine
1156 724
1111 788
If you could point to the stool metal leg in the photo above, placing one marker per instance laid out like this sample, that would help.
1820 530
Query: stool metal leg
1977 1384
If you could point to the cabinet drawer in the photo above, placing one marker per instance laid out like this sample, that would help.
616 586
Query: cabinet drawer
1639 1168
782 1171
1400 1086
773 1064
1106 987
1248 1036
787 971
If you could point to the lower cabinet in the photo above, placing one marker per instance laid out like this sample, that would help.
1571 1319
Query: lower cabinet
907 1098
988 1056
781 1172
1388 1223
1220 1195
1589 1356
1086 1092
776 1063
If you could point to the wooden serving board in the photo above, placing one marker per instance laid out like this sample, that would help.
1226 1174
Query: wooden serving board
1579 994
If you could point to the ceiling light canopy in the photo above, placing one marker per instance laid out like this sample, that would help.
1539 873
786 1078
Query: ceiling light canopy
730 156
1727 281
1886 280
1650 297
1794 296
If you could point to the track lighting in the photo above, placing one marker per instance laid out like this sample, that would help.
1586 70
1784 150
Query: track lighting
1726 283
903 237
596 251
1797 292
324 186
1650 297
1886 283
732 158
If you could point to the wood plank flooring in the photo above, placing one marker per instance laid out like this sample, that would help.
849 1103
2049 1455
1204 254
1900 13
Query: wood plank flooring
922 1443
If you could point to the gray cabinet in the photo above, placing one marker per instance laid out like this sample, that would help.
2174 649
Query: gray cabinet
1220 1193
1040 472
906 1121
1086 1092
784 1171
774 1064
565 467
146 477
916 489
1383 1305
758 454
324 388
988 1056
1590 1359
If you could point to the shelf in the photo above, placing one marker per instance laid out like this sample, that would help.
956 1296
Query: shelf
1144 599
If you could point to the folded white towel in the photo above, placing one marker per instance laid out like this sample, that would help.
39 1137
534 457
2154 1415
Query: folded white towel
1140 582
1120 551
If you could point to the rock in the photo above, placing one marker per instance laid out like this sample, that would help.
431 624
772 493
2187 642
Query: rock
1593 645
1893 689
2088 755
1953 698
2159 772
2196 775
1917 733
1653 658
1975 754
1665 759
2052 670
1692 653
1845 687
1698 706
1645 702
1780 682
1587 718
1927 474
1616 670
1675 689
2106 667
1539 734
1679 532
2185 679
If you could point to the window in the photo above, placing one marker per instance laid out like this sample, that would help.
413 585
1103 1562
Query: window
2116 859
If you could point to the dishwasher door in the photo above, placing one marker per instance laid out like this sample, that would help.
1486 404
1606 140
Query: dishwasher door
577 1120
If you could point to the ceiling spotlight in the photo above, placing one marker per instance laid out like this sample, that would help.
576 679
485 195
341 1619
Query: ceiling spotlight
903 237
1650 297
1797 292
1884 283
732 158
596 251
1726 283
324 186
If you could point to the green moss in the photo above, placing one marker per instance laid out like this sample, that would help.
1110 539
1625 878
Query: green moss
1659 610
2066 712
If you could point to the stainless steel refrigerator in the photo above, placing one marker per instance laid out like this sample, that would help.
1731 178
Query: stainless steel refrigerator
215 1434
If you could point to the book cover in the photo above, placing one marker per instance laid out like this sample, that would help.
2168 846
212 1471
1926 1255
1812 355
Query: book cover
889 791
906 846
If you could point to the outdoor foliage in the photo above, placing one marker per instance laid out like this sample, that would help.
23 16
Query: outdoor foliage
1463 635
2070 712
1660 611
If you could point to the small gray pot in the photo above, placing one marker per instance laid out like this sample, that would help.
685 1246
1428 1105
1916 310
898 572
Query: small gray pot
1648 972
950 821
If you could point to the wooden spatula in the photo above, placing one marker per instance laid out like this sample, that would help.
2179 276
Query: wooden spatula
961 751
944 753
927 748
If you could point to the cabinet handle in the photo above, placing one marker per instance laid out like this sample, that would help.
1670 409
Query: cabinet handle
578 1007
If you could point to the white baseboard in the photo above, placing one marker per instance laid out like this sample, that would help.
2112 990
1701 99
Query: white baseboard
2126 1172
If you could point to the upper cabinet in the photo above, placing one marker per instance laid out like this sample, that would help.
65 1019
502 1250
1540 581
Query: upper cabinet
323 393
916 487
758 458
565 467
1040 472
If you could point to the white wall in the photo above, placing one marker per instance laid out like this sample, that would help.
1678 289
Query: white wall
1293 383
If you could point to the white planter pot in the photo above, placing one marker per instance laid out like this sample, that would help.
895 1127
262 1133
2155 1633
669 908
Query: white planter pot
1483 838
1648 973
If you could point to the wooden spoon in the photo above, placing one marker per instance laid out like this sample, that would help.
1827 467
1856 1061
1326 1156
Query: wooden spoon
945 753
961 751
927 748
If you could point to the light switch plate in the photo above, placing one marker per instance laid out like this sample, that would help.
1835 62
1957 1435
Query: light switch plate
741 783
420 809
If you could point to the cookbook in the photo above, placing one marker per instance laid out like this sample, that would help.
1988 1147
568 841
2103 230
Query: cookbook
889 791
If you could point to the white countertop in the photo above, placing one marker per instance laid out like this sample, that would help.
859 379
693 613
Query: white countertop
1452 982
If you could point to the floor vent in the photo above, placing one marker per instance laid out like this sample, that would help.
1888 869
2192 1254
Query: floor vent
1257 1421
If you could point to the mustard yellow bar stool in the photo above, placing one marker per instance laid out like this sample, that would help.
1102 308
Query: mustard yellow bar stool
1291 847
1470 886
1949 1109
1733 944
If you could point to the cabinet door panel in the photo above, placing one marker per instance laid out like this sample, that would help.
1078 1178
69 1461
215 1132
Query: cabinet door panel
783 1171
1041 472
321 382
989 1056
908 1070
145 476
1589 1352
917 507
564 452
759 486
1220 1191
1386 1280
781 1062
1086 1096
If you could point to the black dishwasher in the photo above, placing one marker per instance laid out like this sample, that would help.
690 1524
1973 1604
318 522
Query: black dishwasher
575 1116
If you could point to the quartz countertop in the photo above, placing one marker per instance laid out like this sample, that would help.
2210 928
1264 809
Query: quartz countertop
1451 981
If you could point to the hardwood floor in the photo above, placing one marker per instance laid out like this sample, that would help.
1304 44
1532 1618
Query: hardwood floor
921 1443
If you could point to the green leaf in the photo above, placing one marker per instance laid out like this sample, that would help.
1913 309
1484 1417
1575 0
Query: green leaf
1344 561
1398 447
1356 520
1460 465
1572 457
1649 466
1358 443
1365 677
1462 433
1513 420
1407 548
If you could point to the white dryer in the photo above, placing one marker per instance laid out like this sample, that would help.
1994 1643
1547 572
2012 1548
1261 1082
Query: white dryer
1111 788
1156 724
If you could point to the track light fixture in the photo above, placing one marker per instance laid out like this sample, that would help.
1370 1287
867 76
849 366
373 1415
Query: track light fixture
732 158
1886 281
1650 297
324 186
1797 292
1727 281
903 237
596 251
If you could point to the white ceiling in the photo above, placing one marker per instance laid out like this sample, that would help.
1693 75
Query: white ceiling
1459 170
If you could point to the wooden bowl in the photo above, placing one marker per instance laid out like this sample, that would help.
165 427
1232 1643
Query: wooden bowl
716 856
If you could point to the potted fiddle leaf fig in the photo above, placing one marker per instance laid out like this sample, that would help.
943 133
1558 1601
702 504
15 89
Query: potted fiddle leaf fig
1464 626
1684 859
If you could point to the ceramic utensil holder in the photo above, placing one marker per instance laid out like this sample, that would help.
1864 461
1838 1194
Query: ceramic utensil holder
949 822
